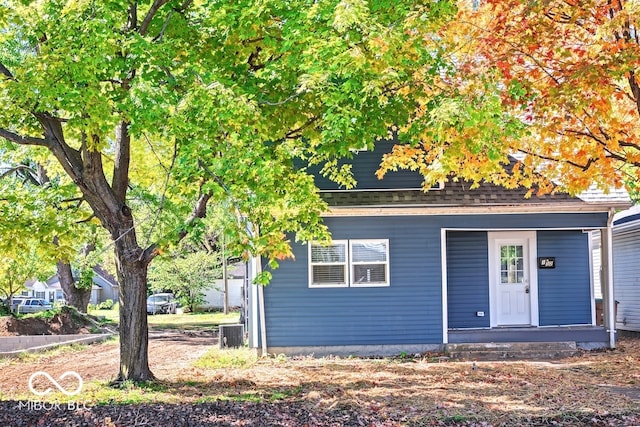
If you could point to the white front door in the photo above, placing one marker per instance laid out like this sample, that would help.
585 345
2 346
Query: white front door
512 282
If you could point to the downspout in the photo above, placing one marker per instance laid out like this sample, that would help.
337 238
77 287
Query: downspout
263 317
263 324
611 313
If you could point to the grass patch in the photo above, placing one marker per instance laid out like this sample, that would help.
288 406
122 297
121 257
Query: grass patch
185 321
55 351
257 396
127 393
47 314
192 321
216 358
243 397
107 317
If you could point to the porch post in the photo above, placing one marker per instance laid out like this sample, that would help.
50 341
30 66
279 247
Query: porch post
445 302
253 298
606 280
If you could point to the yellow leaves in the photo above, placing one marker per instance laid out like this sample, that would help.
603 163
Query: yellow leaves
571 62
309 82
447 111
73 6
379 45
357 55
350 14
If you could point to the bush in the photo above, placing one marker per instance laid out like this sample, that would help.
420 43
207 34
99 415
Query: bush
4 311
106 305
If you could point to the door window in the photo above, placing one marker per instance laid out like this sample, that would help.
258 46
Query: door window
511 264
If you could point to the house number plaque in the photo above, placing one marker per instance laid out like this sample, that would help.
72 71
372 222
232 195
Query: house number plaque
546 262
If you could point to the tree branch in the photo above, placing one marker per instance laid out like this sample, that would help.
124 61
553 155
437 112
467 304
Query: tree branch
132 22
555 160
295 133
17 169
23 140
610 153
167 170
157 4
284 101
120 180
69 158
199 211
84 221
5 72
635 89
180 10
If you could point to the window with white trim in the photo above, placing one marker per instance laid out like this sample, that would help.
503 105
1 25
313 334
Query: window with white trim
356 263
328 265
369 262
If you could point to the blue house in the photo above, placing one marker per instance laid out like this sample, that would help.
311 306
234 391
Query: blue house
414 271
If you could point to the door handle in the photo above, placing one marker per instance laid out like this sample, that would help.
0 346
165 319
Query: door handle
526 289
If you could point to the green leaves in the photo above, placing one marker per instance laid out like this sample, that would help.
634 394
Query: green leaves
187 275
221 100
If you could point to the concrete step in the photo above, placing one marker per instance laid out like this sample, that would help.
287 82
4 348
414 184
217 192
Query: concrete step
511 350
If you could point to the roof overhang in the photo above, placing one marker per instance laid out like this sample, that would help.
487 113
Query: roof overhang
408 210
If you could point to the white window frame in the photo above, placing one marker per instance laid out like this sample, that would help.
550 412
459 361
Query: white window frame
353 263
344 264
349 265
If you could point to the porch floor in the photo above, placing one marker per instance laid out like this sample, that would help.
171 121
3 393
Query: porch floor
586 336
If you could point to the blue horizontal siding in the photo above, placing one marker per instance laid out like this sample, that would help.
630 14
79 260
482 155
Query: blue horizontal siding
409 311
564 292
467 279
364 172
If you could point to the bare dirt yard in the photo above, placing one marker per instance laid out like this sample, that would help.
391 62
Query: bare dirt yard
231 389
66 322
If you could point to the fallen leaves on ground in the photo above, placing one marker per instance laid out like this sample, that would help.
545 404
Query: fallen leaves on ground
595 388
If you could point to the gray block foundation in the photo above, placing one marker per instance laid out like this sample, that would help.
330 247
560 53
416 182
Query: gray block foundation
15 345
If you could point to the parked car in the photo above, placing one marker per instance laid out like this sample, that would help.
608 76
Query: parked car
161 303
32 305
15 302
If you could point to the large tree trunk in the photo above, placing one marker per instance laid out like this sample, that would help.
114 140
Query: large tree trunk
132 265
76 297
134 336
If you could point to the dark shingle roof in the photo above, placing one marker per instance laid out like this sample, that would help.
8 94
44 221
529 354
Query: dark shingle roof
456 194
403 188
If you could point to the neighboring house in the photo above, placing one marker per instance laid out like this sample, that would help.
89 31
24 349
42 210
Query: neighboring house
626 268
412 271
49 291
104 287
214 296
107 283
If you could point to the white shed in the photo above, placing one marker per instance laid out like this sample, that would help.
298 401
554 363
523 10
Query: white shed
214 297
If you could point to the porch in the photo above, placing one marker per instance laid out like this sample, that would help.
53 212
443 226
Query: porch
586 337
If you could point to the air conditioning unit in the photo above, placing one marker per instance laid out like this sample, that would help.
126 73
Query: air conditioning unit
231 336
